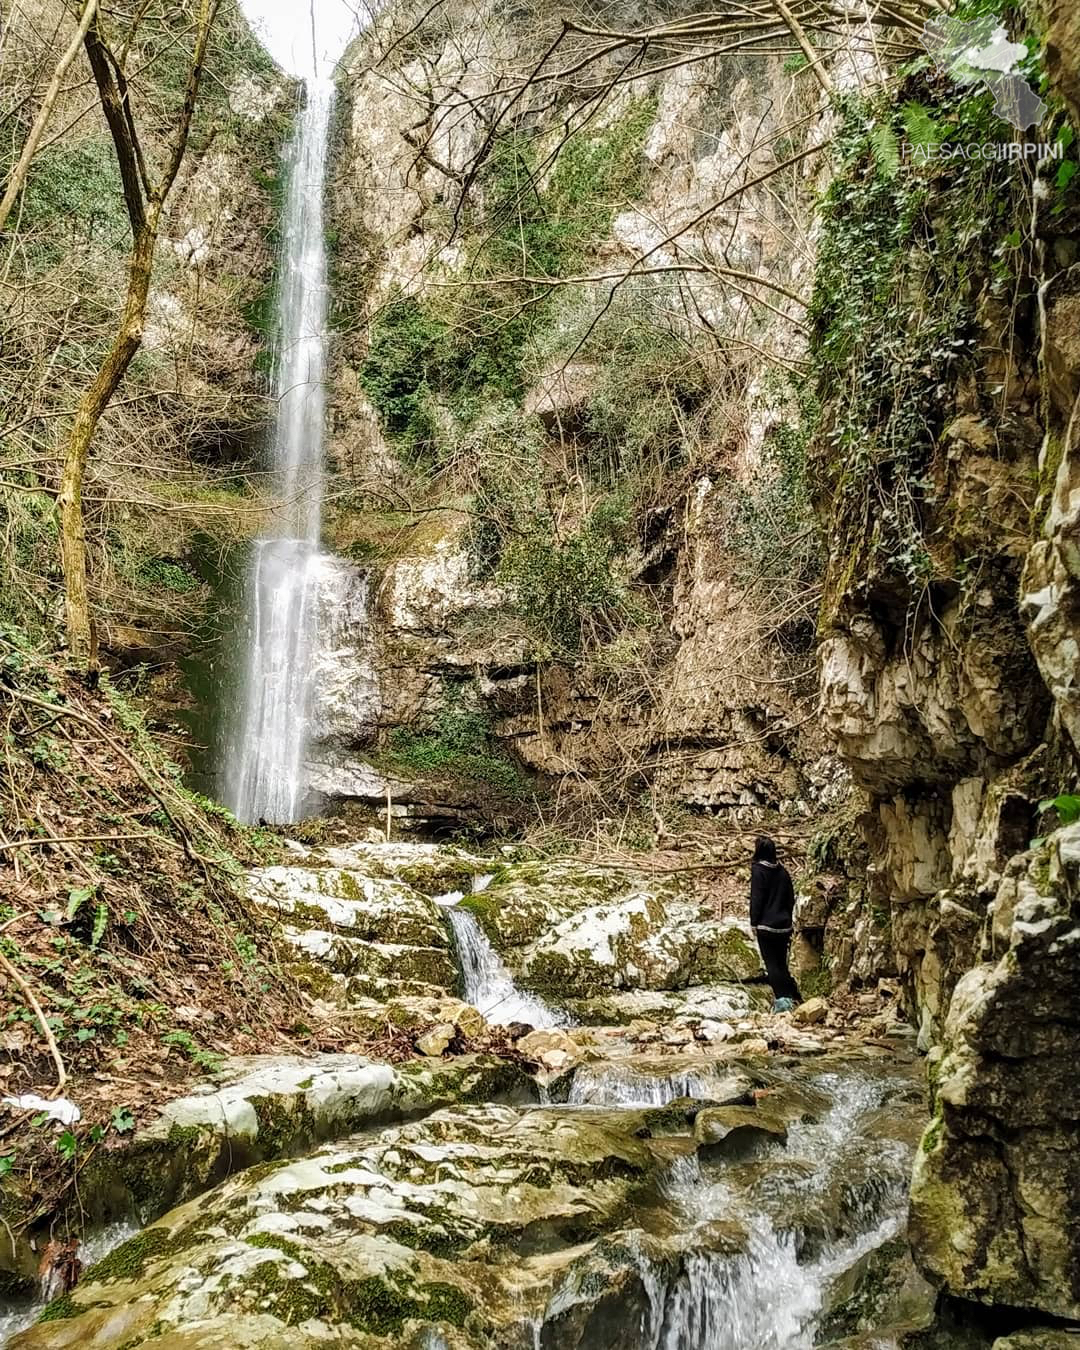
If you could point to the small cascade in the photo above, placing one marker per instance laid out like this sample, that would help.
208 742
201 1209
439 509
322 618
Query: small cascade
612 1085
24 1313
767 1298
265 772
489 986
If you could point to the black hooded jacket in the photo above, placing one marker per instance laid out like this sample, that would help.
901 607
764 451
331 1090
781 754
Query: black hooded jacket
772 897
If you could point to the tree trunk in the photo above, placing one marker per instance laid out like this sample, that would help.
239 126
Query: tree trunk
91 406
22 167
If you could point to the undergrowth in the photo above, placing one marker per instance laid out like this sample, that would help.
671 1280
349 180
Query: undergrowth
458 744
126 950
193 403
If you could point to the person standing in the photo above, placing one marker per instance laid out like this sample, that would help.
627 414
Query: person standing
772 903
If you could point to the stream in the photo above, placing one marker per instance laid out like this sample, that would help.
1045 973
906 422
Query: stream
748 1236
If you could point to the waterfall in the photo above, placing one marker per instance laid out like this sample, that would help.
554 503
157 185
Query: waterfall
264 777
489 986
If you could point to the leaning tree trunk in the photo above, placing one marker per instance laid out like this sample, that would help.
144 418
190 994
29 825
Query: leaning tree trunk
145 205
91 406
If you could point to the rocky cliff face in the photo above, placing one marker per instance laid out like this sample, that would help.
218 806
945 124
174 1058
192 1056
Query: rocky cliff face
703 693
947 668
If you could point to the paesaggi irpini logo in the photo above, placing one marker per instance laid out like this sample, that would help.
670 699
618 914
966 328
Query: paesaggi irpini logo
979 51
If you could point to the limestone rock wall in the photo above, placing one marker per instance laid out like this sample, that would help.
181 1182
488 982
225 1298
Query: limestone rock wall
956 711
995 1214
710 708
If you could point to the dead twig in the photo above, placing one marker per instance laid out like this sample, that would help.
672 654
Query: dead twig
43 1022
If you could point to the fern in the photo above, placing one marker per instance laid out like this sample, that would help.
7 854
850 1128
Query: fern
101 919
886 150
919 127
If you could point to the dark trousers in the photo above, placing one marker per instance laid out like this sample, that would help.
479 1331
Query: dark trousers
774 952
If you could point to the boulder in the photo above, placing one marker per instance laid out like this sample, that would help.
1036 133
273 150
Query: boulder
553 1049
376 969
436 1041
1037 1338
650 938
525 899
347 900
720 1003
810 1013
374 935
737 1126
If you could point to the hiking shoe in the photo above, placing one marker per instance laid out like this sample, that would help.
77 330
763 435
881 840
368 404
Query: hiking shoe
783 1005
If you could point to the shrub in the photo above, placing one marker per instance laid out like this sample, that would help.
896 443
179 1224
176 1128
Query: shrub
458 744
573 587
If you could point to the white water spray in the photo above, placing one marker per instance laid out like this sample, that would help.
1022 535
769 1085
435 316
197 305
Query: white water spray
489 986
265 773
613 1085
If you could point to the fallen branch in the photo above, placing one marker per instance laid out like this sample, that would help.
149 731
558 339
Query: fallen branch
87 839
43 1022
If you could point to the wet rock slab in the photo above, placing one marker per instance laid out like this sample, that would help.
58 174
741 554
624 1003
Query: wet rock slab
460 1221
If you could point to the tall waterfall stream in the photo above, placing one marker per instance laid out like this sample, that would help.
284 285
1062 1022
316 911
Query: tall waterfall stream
264 773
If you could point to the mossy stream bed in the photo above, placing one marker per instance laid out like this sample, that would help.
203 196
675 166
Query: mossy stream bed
757 1204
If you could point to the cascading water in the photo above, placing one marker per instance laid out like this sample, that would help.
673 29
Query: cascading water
489 986
18 1315
773 1296
265 773
614 1086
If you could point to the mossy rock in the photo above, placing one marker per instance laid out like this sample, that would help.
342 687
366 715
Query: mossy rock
349 903
261 1110
722 953
419 1225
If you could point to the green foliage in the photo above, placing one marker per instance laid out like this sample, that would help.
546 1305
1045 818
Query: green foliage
122 1120
101 922
73 190
209 1060
1067 807
165 574
410 359
569 582
572 586
920 128
76 896
650 385
904 254
886 150
458 744
542 229
434 364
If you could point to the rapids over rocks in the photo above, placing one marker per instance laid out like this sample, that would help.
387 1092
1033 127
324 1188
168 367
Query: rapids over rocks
671 1183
